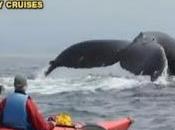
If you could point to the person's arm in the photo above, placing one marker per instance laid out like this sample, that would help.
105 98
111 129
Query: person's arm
2 104
36 118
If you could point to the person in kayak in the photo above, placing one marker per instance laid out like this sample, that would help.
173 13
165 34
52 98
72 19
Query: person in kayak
19 111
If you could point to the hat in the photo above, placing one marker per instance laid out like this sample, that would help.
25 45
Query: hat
20 81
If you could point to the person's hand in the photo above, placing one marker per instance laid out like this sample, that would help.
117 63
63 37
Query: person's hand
54 123
131 119
51 118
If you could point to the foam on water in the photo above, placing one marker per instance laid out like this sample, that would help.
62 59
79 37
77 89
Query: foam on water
68 79
76 80
164 76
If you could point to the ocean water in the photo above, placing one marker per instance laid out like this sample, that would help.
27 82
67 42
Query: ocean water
96 94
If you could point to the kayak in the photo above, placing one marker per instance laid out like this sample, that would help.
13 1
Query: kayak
120 124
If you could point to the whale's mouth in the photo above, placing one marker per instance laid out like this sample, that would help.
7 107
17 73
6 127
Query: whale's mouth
46 73
49 70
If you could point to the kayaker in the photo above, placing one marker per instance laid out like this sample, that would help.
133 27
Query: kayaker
19 111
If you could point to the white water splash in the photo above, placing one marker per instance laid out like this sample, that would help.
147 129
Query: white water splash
68 80
164 76
87 83
40 74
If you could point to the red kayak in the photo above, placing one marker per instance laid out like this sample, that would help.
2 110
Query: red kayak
120 124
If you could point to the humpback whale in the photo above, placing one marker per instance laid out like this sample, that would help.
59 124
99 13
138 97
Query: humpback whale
145 55
168 44
88 54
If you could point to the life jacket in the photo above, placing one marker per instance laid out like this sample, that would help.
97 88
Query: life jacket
15 113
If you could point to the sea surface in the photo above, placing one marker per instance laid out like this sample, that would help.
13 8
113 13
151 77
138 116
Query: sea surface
97 94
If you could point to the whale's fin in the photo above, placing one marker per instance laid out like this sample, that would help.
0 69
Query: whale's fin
140 36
